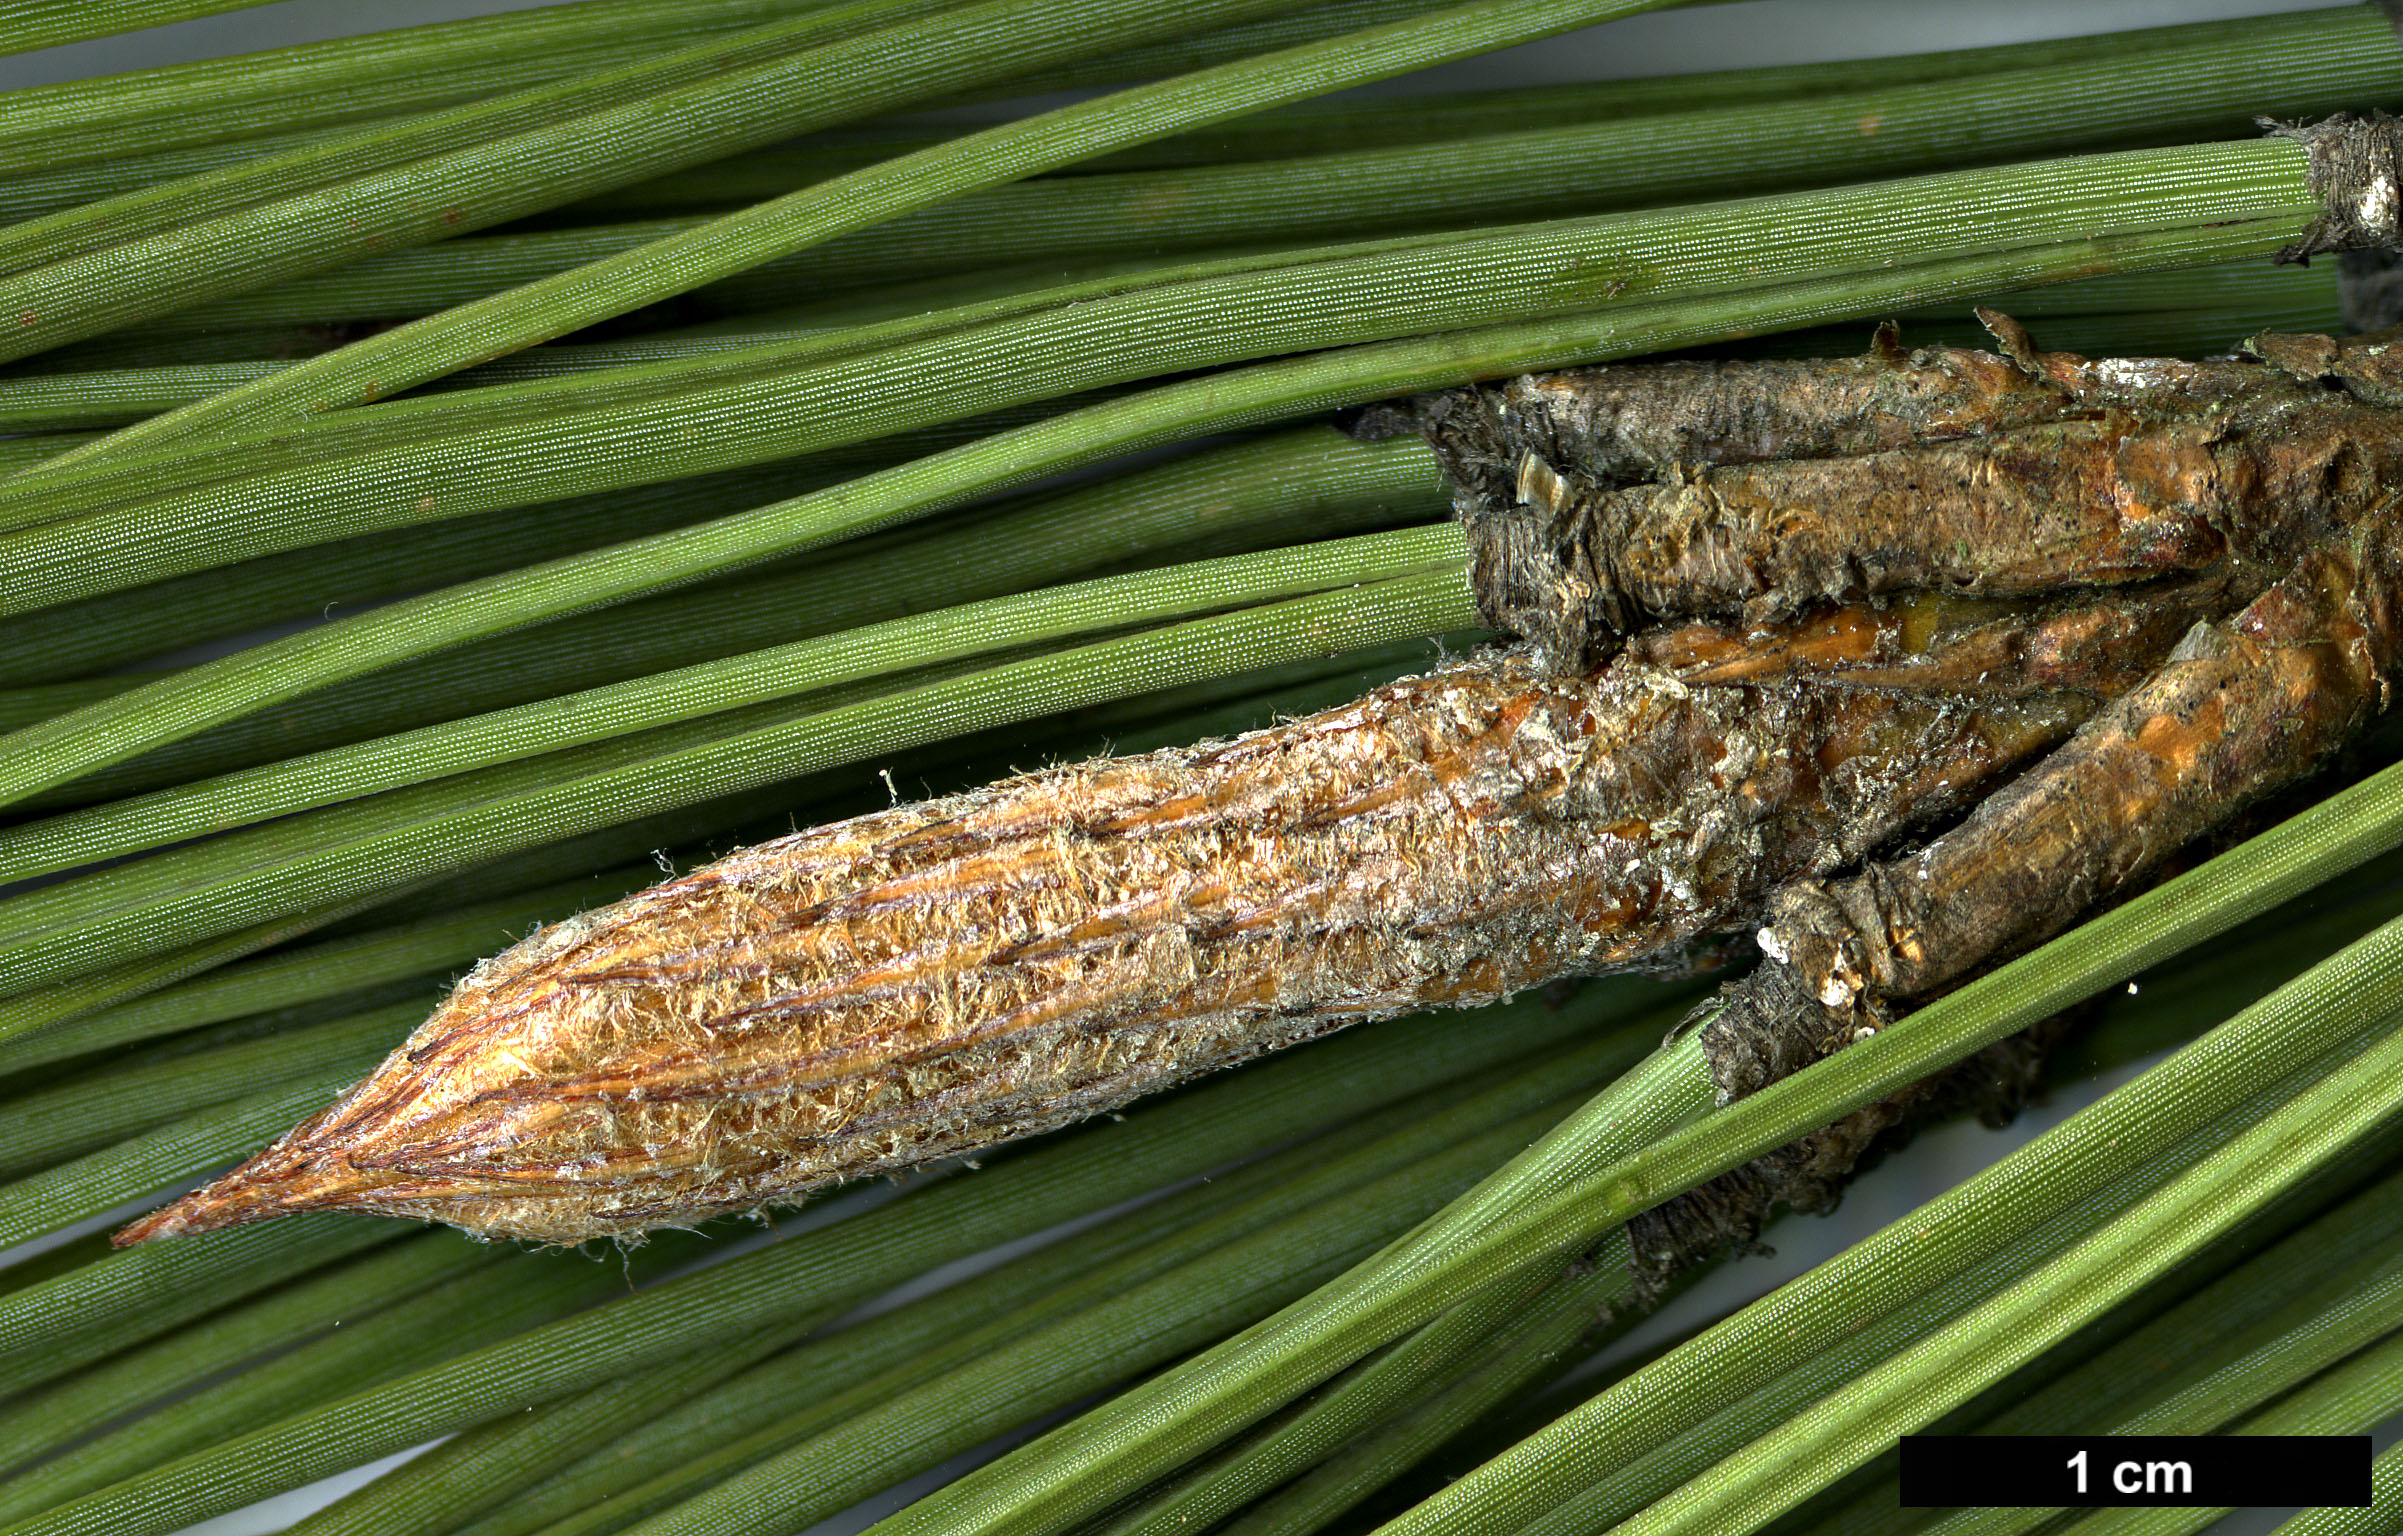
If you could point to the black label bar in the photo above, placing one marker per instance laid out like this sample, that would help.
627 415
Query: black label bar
2206 1471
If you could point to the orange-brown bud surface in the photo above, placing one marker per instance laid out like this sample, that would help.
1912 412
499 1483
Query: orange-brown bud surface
868 996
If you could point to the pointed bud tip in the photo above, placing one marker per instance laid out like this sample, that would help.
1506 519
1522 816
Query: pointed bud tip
226 1202
275 1183
169 1220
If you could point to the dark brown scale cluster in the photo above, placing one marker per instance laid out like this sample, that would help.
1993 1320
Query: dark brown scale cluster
1603 501
2271 481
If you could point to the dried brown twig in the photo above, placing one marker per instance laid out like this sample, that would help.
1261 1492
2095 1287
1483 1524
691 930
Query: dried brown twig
1873 590
1759 489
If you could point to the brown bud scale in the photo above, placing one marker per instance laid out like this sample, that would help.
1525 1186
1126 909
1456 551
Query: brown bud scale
929 980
